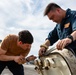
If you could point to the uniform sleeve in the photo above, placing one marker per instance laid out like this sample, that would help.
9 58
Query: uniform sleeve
53 36
74 23
5 43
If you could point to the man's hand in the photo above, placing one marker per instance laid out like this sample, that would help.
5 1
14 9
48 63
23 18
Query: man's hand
44 47
42 51
31 57
19 59
62 43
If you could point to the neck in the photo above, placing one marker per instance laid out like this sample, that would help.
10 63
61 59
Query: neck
63 13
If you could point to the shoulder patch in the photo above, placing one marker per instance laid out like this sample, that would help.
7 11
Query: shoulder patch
67 25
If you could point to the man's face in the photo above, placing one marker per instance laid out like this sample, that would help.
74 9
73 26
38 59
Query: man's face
55 16
25 46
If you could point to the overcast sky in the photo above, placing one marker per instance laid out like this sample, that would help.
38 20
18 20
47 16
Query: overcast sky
16 15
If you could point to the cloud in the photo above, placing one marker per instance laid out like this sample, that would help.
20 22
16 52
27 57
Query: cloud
16 15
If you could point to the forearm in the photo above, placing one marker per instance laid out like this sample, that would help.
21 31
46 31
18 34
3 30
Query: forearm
74 35
47 43
6 58
2 51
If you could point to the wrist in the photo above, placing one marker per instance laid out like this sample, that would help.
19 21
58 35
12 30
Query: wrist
27 60
70 37
45 46
13 57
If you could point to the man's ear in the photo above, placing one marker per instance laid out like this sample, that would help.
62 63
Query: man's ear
58 10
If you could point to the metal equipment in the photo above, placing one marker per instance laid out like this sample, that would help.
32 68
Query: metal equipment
56 62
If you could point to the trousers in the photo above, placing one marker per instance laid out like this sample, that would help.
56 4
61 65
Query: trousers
15 68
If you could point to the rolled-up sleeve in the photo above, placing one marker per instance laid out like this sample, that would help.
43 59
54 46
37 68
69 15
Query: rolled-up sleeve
5 43
53 36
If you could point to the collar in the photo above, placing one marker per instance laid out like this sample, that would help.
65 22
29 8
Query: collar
68 12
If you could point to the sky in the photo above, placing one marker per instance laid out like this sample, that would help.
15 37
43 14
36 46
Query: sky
17 15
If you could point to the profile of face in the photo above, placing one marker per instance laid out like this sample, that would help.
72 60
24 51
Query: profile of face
24 46
55 15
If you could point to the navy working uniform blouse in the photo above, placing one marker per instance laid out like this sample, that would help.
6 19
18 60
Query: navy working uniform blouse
65 28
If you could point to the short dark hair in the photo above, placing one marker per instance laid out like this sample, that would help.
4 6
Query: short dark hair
50 6
25 36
